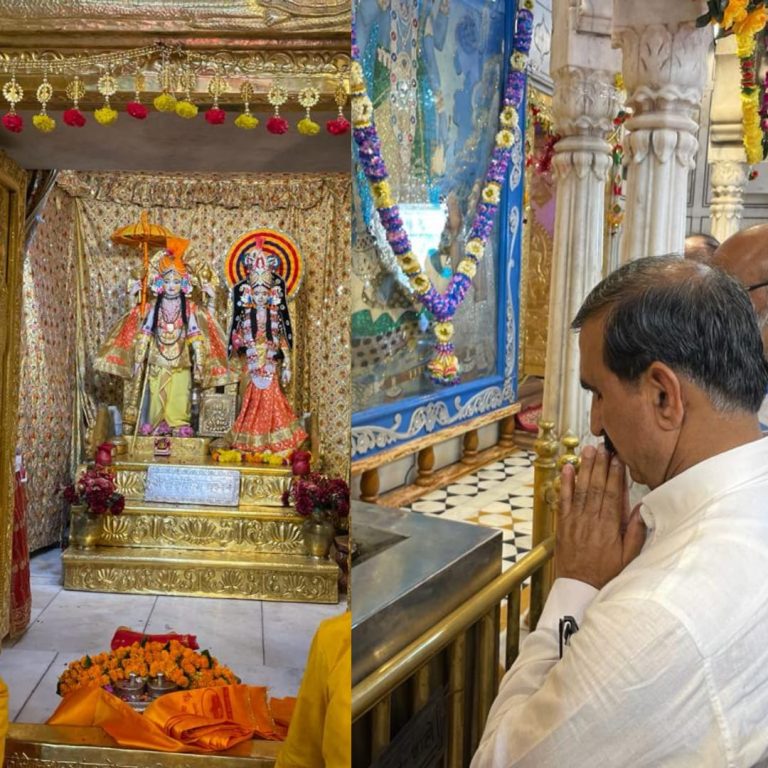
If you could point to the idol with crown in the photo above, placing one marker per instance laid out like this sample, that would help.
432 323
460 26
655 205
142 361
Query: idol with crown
164 351
260 334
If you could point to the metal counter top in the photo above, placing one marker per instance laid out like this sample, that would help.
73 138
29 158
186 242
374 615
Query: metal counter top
412 571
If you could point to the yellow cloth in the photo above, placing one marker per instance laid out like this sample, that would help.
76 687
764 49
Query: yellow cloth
169 396
3 718
200 720
320 733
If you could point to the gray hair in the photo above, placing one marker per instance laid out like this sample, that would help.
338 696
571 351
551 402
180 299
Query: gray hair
697 320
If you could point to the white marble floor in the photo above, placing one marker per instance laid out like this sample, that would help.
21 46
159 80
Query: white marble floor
264 643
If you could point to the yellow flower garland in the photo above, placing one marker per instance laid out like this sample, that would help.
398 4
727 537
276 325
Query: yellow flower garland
105 115
308 127
186 109
43 122
246 121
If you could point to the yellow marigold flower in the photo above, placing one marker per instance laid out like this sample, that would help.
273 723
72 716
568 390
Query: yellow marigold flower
165 102
43 123
509 117
505 139
735 11
518 61
382 195
491 193
745 45
246 121
308 127
528 5
467 267
444 331
409 263
420 283
753 23
105 115
185 109
475 247
618 81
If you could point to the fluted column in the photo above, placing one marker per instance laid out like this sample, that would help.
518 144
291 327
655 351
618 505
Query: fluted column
664 68
728 160
728 179
585 101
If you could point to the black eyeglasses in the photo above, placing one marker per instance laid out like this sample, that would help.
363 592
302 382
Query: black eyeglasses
756 286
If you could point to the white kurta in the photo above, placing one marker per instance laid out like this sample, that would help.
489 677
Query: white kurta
670 665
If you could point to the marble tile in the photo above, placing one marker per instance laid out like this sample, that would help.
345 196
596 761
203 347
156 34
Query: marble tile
496 520
521 502
85 620
281 681
22 671
425 506
289 628
230 629
497 507
459 514
45 567
44 699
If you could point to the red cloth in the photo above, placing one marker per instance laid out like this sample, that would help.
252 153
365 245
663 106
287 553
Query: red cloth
21 592
124 636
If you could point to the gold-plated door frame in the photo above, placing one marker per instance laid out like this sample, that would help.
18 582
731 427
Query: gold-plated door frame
537 259
13 184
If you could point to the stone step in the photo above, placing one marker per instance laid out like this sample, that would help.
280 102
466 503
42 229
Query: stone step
275 530
199 573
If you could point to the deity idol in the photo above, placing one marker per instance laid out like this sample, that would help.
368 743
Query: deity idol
175 345
261 331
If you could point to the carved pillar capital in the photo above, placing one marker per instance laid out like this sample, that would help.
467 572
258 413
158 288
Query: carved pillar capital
585 101
665 69
665 65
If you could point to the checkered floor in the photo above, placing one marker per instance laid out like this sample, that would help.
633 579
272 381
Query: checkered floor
499 495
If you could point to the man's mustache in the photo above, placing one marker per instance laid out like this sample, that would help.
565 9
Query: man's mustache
609 446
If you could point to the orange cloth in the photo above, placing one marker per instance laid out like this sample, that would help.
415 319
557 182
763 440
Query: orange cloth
200 720
320 734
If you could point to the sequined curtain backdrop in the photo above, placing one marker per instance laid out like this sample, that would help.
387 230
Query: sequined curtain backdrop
48 367
212 211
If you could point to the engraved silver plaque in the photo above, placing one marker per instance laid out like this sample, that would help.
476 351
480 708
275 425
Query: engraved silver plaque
193 485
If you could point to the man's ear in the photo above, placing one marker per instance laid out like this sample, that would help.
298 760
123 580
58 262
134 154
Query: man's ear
665 395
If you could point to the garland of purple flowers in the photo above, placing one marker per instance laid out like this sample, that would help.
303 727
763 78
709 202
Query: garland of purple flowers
444 367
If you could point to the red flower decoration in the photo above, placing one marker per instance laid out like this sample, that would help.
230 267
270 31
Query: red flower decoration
338 126
136 109
277 124
96 489
215 116
13 122
74 117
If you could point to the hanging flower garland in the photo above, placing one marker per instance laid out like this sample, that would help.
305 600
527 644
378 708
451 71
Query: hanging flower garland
444 366
746 18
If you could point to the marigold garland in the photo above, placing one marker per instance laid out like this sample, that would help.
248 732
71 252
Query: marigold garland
43 122
246 121
277 125
443 367
215 116
165 102
105 115
746 18
308 127
73 117
13 122
136 110
186 109
175 661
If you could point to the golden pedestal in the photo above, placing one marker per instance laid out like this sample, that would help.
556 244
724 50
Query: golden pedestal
251 551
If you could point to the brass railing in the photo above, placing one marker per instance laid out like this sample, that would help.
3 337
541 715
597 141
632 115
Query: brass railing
457 660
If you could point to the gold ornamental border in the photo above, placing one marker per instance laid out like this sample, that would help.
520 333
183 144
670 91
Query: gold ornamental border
13 181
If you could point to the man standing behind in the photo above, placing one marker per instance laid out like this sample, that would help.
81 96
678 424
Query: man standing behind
670 663
745 257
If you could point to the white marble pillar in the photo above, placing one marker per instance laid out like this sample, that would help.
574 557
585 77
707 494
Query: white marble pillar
728 179
585 102
664 68
728 171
